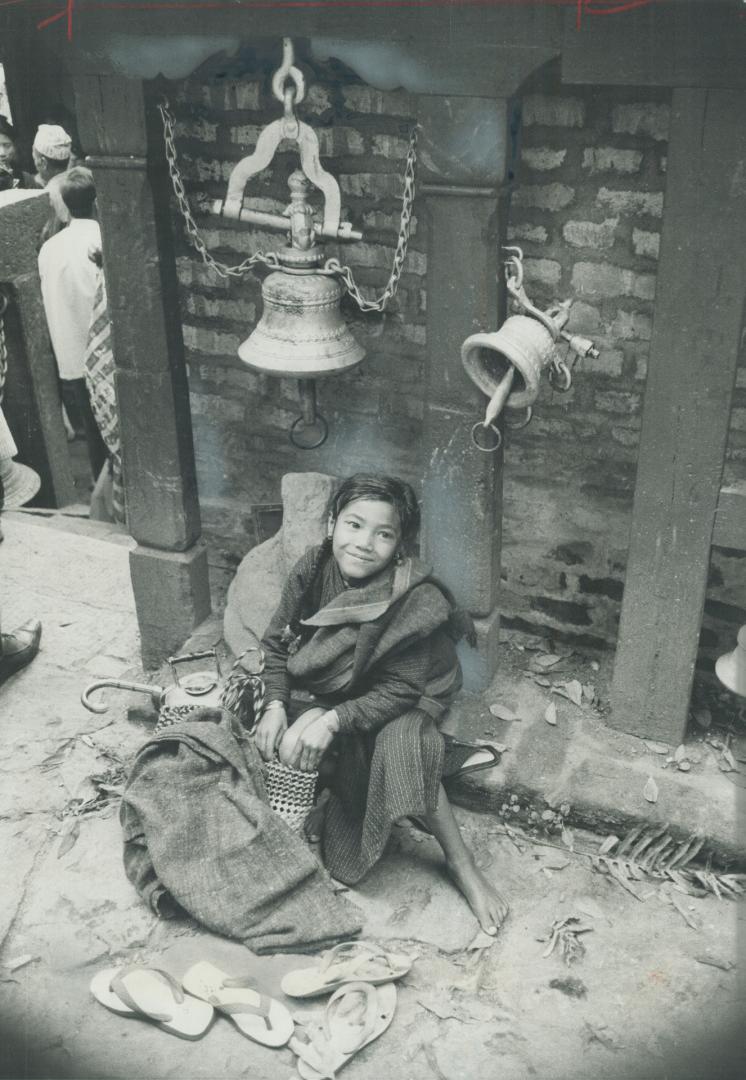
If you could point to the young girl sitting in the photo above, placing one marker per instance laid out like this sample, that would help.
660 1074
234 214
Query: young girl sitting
366 635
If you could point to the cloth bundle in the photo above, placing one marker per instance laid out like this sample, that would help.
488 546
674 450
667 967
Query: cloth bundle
200 836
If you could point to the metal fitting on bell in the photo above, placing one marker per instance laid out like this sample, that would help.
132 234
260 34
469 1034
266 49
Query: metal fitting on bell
731 667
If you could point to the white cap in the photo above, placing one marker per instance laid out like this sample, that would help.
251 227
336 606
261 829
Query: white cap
53 142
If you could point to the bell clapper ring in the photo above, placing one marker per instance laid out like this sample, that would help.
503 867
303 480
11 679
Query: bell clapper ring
480 432
310 419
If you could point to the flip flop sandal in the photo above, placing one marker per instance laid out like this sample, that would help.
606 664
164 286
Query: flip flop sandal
348 1026
256 1015
351 961
154 995
470 757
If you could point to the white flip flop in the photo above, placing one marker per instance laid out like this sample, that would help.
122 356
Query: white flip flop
350 961
356 1014
256 1015
151 994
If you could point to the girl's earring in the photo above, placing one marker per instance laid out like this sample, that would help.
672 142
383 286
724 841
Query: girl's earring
329 530
398 558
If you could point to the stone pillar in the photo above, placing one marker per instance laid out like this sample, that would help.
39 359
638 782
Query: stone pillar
465 143
32 399
699 305
169 566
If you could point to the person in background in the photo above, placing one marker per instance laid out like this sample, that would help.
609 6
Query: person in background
18 484
51 152
9 167
68 286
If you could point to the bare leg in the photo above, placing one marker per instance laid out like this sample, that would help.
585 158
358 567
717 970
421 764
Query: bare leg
483 899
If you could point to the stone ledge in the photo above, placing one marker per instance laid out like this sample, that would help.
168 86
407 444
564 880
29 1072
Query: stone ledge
598 772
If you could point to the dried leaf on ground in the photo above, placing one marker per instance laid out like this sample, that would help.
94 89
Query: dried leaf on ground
575 691
565 933
599 1034
551 713
684 766
68 840
589 692
727 762
541 681
608 844
58 756
656 747
533 644
555 861
679 753
546 660
650 791
502 712
19 962
670 897
595 665
715 961
568 839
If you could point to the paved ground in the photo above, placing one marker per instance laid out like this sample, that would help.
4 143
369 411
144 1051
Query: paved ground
654 996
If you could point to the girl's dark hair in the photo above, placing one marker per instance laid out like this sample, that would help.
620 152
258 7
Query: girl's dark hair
389 489
7 129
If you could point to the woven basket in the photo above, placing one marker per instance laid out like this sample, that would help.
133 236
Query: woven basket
291 792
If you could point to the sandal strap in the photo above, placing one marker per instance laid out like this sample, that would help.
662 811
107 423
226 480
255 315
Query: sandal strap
118 987
315 1053
369 1019
354 955
243 982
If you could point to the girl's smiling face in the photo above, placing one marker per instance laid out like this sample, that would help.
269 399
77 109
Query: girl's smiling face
365 538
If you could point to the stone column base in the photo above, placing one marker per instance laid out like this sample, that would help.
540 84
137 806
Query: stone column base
172 596
479 664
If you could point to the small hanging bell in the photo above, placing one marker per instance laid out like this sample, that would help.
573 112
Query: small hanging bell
731 667
522 343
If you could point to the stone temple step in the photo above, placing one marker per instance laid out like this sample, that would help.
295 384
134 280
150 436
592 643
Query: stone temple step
72 519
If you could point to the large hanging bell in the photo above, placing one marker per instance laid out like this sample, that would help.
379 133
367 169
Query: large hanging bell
731 667
301 333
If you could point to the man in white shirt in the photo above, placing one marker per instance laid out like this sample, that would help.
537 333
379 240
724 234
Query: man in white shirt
68 288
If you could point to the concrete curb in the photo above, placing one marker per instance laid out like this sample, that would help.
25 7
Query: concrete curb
600 774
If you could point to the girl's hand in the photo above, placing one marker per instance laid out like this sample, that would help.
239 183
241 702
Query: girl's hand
313 741
270 729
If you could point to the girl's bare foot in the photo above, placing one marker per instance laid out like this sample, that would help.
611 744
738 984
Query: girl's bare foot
482 897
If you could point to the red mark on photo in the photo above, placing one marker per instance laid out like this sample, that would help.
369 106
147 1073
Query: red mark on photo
607 7
66 13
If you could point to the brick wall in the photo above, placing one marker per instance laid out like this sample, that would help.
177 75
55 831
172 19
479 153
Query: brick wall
587 209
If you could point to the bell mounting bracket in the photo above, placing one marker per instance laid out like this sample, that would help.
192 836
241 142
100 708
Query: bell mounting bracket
287 129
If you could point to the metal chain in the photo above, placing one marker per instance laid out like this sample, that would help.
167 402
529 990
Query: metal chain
345 273
3 346
240 269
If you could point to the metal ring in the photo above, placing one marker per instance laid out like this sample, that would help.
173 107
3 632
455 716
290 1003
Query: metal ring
479 426
560 369
278 84
300 423
522 423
